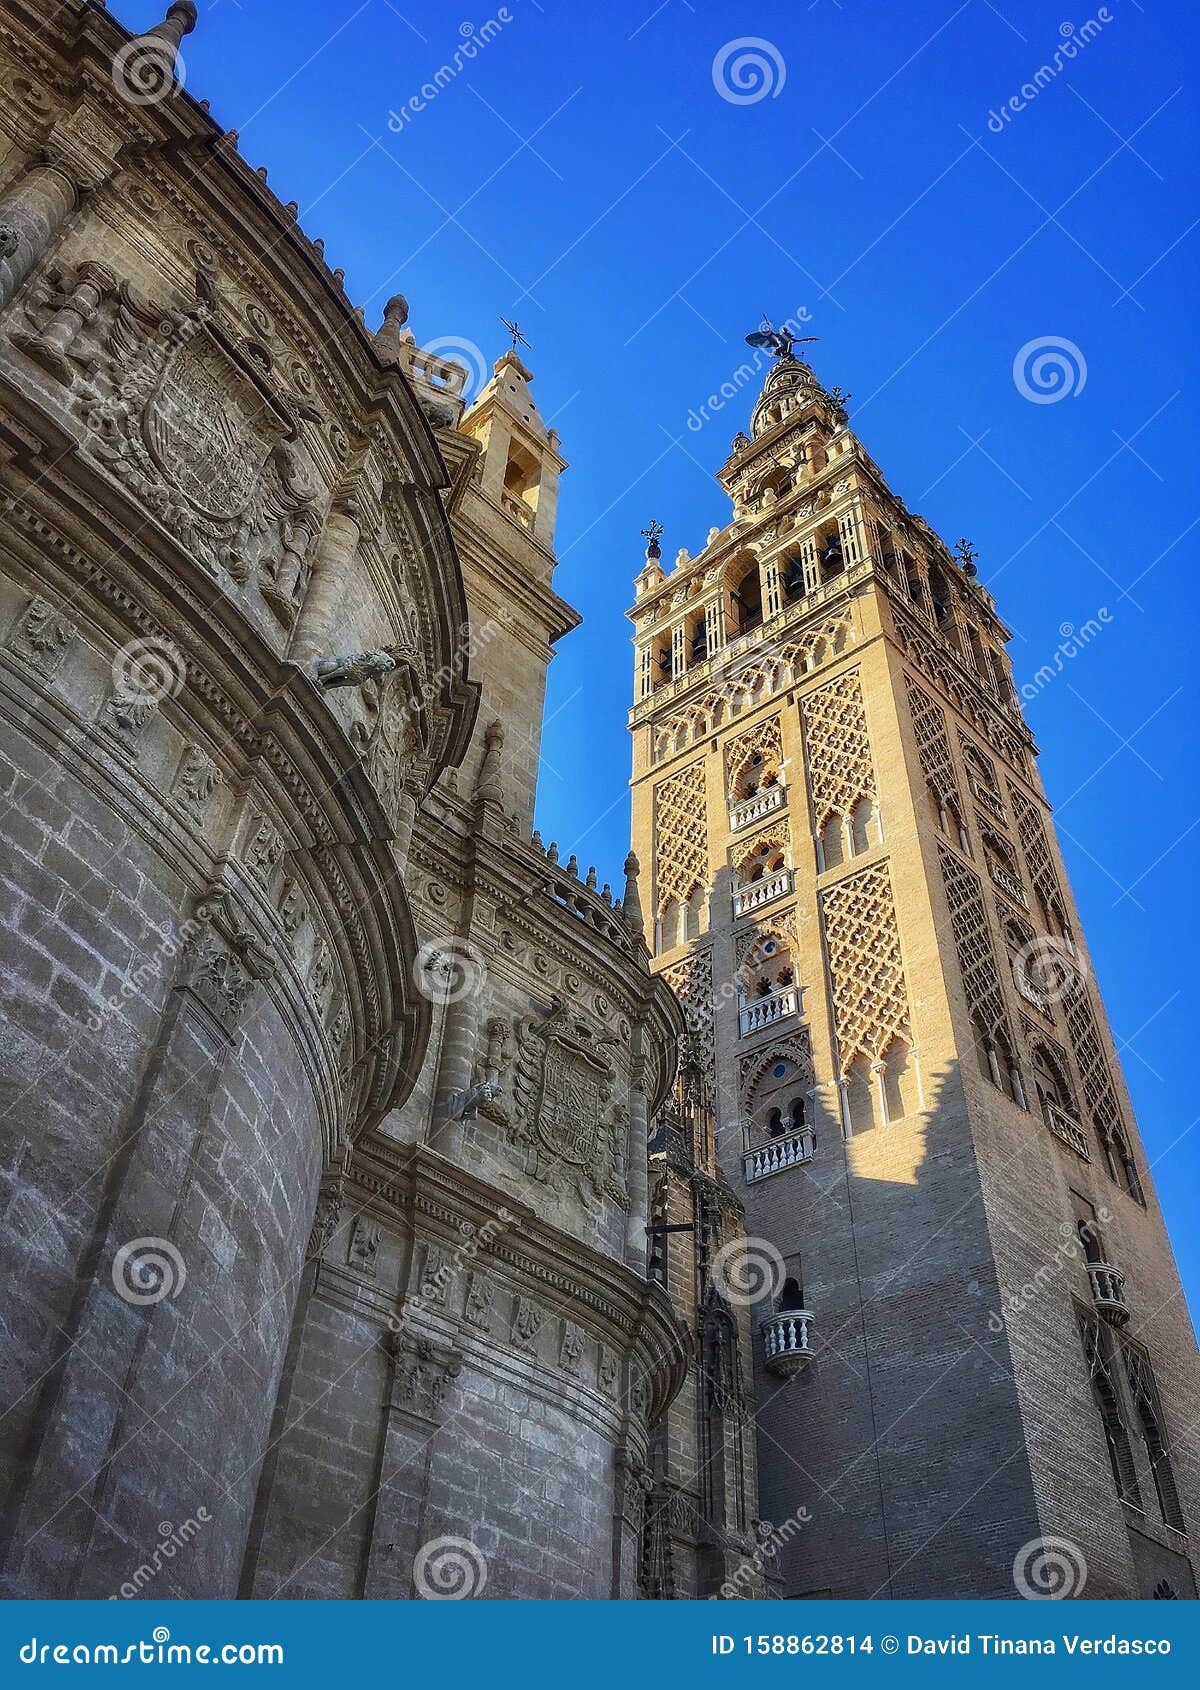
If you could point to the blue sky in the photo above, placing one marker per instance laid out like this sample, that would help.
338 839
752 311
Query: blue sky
584 173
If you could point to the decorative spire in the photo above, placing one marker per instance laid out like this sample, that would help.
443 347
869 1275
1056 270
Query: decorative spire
632 903
387 336
148 67
489 788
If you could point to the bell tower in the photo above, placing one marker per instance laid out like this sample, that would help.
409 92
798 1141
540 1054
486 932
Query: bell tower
971 1337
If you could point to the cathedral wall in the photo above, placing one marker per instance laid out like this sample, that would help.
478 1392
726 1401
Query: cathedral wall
133 1111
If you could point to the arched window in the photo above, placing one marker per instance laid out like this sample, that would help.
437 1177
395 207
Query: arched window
747 598
1121 1164
830 559
864 825
791 1297
761 861
777 1106
834 847
1053 1090
860 1095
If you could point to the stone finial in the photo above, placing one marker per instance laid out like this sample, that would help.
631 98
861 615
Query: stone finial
573 866
149 65
590 881
387 337
489 787
632 903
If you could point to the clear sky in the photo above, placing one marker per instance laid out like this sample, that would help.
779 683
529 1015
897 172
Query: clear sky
584 172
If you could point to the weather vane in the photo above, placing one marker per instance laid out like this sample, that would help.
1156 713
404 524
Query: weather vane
515 335
652 534
778 342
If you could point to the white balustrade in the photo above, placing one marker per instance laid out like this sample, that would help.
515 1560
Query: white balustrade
758 805
760 892
767 1010
787 1345
777 1155
1108 1291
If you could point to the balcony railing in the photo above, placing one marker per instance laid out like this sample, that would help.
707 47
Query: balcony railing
758 805
1065 1127
1010 885
779 1154
989 799
1108 1292
517 509
767 1010
787 1341
760 892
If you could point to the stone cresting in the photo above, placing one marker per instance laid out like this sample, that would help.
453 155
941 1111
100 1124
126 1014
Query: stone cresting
356 1238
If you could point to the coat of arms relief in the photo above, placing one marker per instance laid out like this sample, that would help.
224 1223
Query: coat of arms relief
189 411
559 1106
204 417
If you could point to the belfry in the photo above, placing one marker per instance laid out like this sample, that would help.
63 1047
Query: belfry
853 885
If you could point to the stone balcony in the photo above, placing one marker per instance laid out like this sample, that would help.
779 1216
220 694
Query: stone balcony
989 799
1066 1128
762 1012
1010 885
777 1155
787 1341
747 899
754 808
1108 1292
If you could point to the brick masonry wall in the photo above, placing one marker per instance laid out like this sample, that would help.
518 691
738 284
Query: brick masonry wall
153 1125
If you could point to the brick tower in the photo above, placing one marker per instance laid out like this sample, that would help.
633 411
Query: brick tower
973 1365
